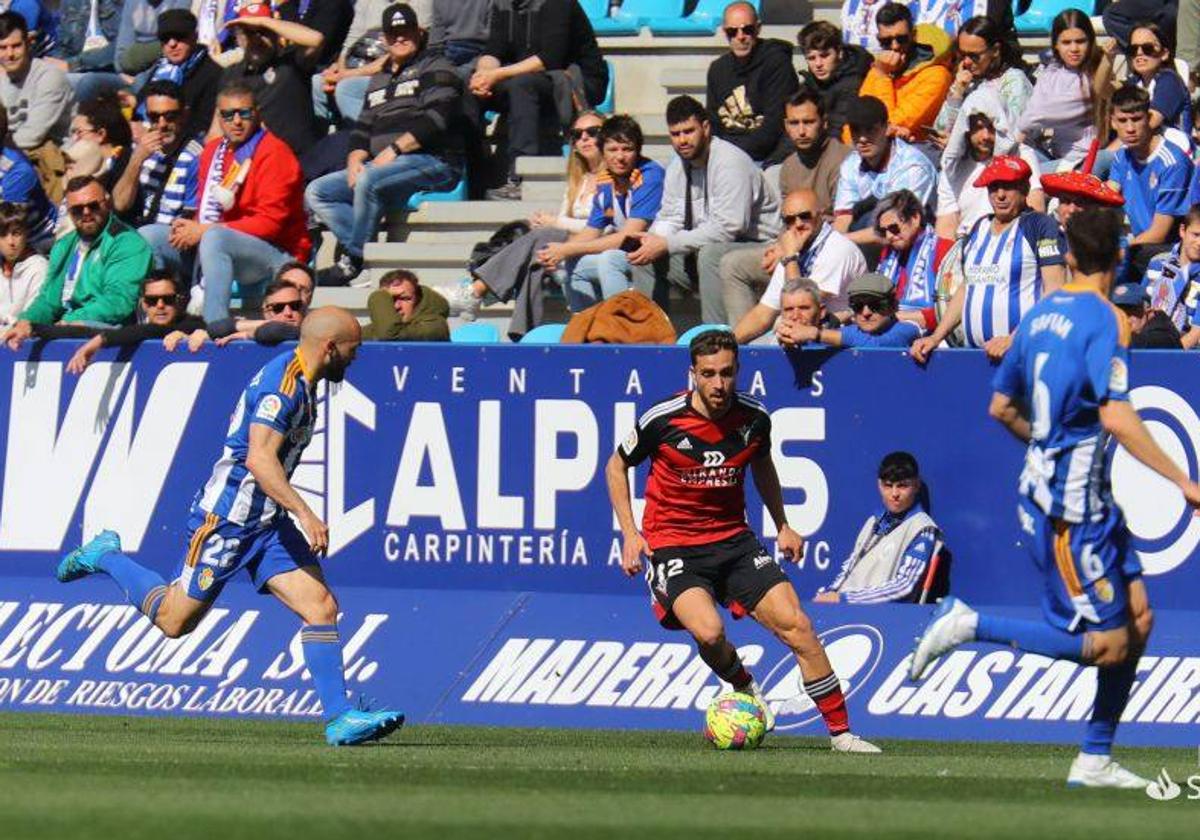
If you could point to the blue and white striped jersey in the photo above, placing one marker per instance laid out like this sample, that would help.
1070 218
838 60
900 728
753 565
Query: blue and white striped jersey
1002 273
1174 288
165 194
1069 356
19 184
279 396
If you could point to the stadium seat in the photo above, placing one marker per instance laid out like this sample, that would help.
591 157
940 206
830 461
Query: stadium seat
545 334
687 337
606 105
1039 15
596 10
634 14
703 20
475 334
456 193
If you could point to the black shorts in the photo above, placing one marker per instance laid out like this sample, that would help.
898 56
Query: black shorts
737 572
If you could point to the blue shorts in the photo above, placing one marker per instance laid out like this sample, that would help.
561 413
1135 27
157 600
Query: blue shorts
218 549
1087 568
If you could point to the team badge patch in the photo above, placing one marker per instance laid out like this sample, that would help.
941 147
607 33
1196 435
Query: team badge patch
1104 590
630 442
1118 376
269 407
205 579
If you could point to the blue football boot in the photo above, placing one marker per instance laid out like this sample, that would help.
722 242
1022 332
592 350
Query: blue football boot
358 726
82 561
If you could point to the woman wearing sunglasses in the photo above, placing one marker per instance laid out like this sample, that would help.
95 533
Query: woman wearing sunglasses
912 256
507 273
1151 55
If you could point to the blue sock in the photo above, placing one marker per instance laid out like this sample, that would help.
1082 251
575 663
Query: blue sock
1031 636
1112 693
144 588
323 656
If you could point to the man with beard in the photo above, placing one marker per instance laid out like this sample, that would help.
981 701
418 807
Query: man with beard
240 520
280 77
95 271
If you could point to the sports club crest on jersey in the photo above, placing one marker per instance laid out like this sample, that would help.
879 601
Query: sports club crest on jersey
205 579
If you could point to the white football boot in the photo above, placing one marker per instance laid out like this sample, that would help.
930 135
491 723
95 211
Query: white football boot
848 742
953 623
755 691
1100 771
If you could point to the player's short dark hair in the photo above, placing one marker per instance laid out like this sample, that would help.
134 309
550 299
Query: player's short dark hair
898 466
712 341
892 13
1094 239
399 275
683 108
1129 98
11 22
806 95
819 35
623 129
82 182
13 217
163 275
163 87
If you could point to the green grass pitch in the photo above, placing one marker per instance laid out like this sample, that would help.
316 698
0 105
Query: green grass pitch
167 779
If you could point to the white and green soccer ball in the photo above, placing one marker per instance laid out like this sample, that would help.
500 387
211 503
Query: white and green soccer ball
735 721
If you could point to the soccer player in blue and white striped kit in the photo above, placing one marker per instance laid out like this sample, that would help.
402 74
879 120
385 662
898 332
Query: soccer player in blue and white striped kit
239 520
1063 389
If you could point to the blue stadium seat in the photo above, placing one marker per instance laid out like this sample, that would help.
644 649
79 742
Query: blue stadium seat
703 20
634 14
456 193
687 337
475 334
545 334
1040 14
595 10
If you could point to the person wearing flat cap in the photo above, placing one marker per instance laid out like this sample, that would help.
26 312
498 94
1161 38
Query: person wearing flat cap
404 142
873 304
1011 259
1149 328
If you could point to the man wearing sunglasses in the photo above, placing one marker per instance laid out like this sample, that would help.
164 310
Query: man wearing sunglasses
163 303
873 304
186 63
911 73
95 271
748 86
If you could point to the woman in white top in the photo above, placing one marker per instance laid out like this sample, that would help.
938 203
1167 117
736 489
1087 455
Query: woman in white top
506 273
22 271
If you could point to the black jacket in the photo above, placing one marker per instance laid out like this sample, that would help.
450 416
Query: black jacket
840 89
746 99
421 98
1159 333
556 31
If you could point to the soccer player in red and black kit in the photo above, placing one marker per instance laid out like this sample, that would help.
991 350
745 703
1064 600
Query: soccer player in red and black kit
700 548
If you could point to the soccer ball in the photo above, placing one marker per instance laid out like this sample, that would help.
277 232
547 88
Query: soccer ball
735 721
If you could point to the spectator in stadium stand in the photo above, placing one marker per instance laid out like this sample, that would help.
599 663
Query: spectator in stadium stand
1188 36
1011 259
748 86
858 17
277 67
79 47
628 196
1123 16
895 546
401 309
814 164
137 45
24 270
912 256
184 62
990 68
514 272
101 121
1151 56
1173 281
404 142
38 99
714 196
1149 328
834 69
95 272
19 184
1069 105
339 89
286 300
163 303
1076 190
162 179
910 75
541 60
878 165
808 247
460 29
873 304
801 304
249 208
332 18
1153 173
972 146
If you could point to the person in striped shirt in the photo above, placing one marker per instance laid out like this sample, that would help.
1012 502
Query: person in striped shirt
249 516
1011 259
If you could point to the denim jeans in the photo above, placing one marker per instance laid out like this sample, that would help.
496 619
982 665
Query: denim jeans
352 213
348 97
596 277
165 256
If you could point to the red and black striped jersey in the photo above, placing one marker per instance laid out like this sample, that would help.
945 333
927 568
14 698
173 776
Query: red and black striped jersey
695 495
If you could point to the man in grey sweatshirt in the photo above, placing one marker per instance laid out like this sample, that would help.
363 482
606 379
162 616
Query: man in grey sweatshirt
714 196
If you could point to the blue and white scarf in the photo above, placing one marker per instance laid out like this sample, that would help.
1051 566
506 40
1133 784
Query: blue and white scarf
220 186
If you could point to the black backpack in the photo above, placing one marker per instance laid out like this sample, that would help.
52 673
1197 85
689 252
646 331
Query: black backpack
484 251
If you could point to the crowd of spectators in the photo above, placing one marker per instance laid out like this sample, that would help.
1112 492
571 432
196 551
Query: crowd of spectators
907 186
